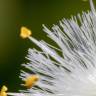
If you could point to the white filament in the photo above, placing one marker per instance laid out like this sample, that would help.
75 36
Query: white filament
69 70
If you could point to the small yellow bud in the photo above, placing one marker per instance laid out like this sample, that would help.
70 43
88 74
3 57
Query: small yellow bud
3 91
25 32
31 81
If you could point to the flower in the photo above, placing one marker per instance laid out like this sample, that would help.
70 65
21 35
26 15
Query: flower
70 69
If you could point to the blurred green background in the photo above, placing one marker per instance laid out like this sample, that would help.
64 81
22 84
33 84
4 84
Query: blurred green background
32 14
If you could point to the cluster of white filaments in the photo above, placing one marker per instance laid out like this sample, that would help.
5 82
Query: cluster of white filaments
70 69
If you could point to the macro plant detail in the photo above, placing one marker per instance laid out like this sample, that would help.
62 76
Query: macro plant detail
66 70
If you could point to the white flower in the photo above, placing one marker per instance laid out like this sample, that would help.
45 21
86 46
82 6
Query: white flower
70 69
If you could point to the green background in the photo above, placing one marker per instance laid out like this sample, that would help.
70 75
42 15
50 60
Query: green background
32 14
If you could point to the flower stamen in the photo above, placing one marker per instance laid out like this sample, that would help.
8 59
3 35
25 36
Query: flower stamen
3 91
30 81
25 32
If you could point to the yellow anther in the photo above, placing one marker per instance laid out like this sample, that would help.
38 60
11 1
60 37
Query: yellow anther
25 32
4 88
3 91
30 81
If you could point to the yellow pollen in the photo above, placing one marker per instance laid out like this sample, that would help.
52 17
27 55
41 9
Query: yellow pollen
30 81
25 32
3 91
